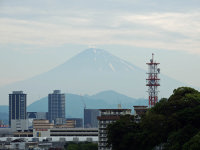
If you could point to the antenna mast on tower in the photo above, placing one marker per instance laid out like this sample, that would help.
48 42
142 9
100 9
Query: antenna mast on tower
153 81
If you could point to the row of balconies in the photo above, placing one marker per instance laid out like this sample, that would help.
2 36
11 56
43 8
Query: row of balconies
102 135
103 139
102 131
103 126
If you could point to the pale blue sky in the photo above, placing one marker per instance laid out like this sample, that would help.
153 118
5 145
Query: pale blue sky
36 36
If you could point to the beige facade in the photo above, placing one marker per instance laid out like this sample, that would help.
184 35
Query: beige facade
42 124
41 128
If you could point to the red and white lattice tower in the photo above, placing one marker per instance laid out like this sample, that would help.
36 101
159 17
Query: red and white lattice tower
153 81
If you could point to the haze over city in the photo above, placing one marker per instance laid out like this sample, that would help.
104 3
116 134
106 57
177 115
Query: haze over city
37 36
100 74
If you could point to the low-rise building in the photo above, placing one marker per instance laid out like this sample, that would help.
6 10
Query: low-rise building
42 124
23 134
68 124
41 128
74 132
19 125
78 122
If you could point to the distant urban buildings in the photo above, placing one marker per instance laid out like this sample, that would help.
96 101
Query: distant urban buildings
106 117
36 126
35 116
139 111
78 122
2 125
1 122
90 118
17 111
56 107
42 128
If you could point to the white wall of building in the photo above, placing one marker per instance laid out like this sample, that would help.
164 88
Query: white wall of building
41 132
21 124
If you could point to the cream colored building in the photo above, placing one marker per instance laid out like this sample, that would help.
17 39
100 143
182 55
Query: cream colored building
41 128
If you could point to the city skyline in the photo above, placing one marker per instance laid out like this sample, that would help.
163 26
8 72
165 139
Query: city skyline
108 57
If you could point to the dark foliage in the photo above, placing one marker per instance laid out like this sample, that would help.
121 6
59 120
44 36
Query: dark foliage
173 123
81 146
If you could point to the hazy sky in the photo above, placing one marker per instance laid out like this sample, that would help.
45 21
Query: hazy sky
37 35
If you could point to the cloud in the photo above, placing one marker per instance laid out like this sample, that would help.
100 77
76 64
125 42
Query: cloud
7 80
160 30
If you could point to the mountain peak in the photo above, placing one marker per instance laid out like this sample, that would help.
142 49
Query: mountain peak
98 60
94 52
90 71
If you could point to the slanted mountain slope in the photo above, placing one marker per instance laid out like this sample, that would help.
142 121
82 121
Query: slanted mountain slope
75 103
90 71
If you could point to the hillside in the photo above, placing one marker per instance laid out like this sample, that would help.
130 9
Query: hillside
75 103
90 71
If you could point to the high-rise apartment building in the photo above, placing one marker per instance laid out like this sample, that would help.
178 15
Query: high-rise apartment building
90 118
17 111
106 117
139 111
56 107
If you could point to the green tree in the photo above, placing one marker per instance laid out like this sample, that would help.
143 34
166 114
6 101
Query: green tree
172 123
81 146
178 138
73 146
89 146
193 143
125 129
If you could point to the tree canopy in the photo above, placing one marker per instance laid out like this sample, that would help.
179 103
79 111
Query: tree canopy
173 124
81 146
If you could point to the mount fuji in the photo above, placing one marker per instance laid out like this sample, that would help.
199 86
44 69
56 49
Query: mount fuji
89 72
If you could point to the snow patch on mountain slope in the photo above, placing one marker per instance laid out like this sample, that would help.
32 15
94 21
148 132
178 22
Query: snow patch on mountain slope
111 66
126 64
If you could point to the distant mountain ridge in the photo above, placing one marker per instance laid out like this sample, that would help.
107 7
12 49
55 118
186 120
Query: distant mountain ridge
4 114
112 97
75 103
90 71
